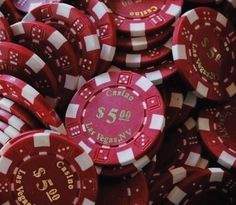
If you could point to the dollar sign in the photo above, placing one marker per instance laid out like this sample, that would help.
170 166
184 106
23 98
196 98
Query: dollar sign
38 173
100 113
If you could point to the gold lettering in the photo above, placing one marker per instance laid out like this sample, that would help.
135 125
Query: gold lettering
121 93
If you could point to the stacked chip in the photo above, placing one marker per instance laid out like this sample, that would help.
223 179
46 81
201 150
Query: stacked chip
117 102
144 37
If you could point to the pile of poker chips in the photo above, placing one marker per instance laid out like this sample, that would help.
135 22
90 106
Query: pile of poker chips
131 102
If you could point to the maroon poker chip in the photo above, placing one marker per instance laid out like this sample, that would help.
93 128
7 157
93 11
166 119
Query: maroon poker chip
55 50
66 172
76 28
116 117
206 59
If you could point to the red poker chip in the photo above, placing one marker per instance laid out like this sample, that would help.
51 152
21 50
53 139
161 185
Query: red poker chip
76 28
22 63
22 93
27 5
55 50
206 59
5 31
145 58
9 11
116 117
217 131
19 111
14 121
125 191
67 171
184 147
103 19
161 184
204 180
140 18
144 42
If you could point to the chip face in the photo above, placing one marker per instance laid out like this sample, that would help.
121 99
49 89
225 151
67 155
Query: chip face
115 117
48 168
204 52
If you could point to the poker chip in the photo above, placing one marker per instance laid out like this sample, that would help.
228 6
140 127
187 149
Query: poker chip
156 74
5 31
204 68
161 185
66 169
185 145
27 5
19 91
207 179
101 117
19 111
127 190
143 59
14 121
77 29
55 50
140 18
102 18
9 132
22 63
9 11
144 42
218 133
